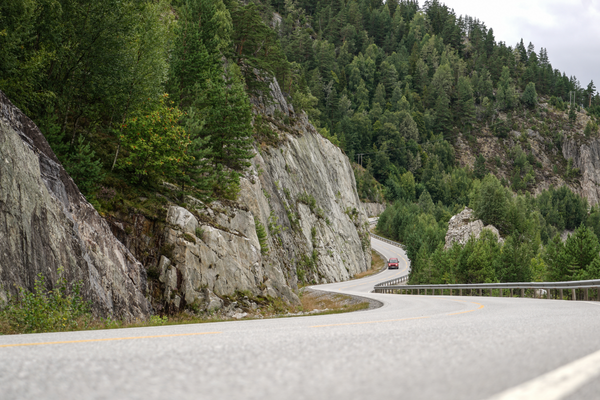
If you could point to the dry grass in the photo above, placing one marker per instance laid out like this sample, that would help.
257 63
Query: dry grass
377 265
330 303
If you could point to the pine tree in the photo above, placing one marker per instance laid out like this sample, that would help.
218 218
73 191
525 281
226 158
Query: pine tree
443 118
228 129
218 112
491 202
581 249
379 97
465 106
480 170
529 97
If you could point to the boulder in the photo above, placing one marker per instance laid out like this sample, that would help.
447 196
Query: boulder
463 226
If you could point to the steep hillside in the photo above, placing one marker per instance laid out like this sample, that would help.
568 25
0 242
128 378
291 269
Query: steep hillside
47 226
538 149
297 220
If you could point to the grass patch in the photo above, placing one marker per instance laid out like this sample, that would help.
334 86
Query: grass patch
63 309
330 303
378 264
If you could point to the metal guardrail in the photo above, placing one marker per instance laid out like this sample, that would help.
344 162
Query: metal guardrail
387 240
540 289
396 280
392 282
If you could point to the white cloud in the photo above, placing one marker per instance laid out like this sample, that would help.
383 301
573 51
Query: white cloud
568 29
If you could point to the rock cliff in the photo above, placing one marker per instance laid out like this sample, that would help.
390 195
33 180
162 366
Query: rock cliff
373 209
46 224
298 219
463 226
586 157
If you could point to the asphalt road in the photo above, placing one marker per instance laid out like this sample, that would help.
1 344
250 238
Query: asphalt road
414 347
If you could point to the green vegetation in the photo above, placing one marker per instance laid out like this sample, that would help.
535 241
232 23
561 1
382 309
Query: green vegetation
45 310
132 93
95 79
531 227
261 232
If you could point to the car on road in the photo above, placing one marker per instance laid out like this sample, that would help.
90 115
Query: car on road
393 263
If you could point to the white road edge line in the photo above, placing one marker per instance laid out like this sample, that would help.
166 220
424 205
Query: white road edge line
556 384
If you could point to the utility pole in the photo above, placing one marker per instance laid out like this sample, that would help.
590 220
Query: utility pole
359 158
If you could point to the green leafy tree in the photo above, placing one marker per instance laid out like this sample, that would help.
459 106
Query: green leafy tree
155 143
490 202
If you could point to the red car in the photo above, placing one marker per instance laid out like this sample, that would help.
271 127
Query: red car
393 263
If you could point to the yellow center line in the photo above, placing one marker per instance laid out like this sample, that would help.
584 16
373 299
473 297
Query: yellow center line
369 322
106 340
466 302
405 319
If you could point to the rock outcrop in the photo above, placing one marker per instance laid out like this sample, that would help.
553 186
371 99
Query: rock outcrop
302 192
586 157
46 225
463 226
373 209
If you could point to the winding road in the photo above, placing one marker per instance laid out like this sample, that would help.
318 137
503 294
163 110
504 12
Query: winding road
413 347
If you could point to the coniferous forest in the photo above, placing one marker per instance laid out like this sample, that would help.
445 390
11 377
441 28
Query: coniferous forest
132 93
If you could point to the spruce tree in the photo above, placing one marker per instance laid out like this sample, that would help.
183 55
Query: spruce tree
465 105
529 97
218 112
443 118
228 128
480 170
581 249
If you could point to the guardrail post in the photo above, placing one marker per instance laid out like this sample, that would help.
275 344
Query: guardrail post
460 292
574 294
501 292
491 292
511 292
480 292
561 294
585 294
598 290
522 292
450 292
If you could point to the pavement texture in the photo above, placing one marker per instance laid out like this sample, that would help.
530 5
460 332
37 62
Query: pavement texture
413 347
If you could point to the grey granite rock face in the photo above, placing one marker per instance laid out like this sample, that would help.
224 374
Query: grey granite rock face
46 224
303 192
373 209
586 157
463 226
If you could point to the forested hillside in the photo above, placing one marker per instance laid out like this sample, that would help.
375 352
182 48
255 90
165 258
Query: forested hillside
423 96
133 93
427 103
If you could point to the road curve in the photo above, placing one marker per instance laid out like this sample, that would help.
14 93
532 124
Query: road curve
413 347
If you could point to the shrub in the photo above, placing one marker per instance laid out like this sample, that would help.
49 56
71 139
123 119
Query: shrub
591 128
262 236
55 310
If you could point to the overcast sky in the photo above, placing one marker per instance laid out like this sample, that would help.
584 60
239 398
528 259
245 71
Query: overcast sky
568 29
